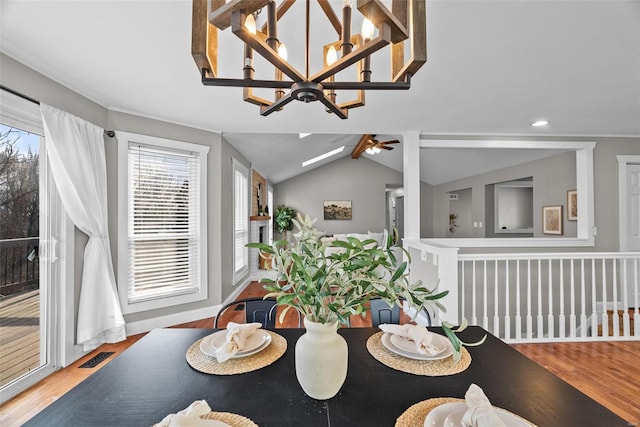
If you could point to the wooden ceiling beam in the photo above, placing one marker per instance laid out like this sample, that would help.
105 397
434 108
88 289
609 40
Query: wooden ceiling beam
362 145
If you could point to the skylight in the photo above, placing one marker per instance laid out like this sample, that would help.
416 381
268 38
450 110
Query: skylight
322 156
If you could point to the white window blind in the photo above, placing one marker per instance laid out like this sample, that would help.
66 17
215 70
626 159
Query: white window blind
164 244
240 219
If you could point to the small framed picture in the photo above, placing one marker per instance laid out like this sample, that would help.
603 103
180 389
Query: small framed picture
572 205
552 219
337 209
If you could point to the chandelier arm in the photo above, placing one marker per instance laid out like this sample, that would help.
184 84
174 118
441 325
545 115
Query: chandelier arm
276 106
331 15
217 81
238 28
333 108
383 39
367 85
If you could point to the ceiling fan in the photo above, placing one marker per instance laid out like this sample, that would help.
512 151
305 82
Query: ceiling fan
369 144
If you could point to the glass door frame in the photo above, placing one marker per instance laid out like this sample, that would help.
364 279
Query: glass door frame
56 248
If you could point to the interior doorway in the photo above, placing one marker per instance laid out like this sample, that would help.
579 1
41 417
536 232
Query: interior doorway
629 221
395 209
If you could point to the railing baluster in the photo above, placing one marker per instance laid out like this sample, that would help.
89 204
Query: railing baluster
616 316
636 293
496 317
572 293
507 317
540 326
474 319
518 317
605 317
528 296
485 318
561 318
583 302
625 300
594 304
550 317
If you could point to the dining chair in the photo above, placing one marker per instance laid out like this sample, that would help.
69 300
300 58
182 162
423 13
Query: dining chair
259 310
382 312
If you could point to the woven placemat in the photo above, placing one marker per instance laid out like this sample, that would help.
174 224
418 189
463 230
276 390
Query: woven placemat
209 365
430 368
234 420
415 415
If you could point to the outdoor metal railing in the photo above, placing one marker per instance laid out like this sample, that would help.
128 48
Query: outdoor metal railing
19 265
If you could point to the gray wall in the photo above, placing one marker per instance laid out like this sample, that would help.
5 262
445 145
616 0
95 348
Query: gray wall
24 80
463 207
135 124
552 178
226 226
362 181
605 166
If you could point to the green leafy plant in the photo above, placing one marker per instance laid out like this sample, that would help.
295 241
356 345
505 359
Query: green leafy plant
332 281
283 219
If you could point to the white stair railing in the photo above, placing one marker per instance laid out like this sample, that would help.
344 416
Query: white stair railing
571 296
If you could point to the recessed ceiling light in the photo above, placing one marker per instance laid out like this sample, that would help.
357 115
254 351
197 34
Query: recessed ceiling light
539 123
322 156
303 135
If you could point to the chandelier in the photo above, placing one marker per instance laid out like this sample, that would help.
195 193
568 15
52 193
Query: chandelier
403 27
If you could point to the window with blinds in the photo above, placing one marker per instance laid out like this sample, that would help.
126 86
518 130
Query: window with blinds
240 220
166 224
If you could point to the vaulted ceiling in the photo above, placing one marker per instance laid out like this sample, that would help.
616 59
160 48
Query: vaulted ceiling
493 68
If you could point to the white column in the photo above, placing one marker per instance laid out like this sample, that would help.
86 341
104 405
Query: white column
411 184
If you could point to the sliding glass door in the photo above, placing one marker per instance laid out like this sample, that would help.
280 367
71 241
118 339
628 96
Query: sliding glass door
28 250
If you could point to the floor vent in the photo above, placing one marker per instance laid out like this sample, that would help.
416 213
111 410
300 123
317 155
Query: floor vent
95 360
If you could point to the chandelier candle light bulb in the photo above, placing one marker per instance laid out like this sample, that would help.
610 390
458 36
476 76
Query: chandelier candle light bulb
367 34
332 57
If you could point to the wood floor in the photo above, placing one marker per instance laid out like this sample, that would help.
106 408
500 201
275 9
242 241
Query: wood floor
19 335
607 372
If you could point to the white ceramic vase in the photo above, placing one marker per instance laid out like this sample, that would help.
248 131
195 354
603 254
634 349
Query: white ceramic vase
321 360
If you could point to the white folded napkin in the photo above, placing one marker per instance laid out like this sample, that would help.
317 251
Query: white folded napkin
190 417
416 333
480 412
237 335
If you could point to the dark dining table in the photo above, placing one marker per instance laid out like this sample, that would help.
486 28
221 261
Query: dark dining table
152 379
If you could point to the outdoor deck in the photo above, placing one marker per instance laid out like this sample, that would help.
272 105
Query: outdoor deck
19 334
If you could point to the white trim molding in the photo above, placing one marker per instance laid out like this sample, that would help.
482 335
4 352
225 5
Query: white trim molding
584 184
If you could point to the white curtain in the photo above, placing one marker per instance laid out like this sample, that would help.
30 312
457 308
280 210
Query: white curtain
75 149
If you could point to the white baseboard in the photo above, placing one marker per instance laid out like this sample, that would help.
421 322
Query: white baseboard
147 325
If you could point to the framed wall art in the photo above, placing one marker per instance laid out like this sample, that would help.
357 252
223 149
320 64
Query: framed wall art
337 209
572 205
552 219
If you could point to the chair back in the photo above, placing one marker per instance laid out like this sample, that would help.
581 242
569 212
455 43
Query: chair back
255 310
382 312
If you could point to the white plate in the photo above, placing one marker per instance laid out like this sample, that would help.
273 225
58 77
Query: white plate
255 343
386 341
450 415
439 342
